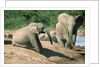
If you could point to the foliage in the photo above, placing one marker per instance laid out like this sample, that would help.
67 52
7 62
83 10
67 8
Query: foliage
15 19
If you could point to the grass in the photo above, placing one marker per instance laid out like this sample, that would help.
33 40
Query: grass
81 29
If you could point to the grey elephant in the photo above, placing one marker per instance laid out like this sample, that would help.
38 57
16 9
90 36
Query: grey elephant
66 29
44 36
27 37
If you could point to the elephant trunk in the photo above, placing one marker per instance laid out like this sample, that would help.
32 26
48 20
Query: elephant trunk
48 33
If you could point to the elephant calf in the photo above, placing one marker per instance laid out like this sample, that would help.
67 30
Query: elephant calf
66 29
44 36
28 36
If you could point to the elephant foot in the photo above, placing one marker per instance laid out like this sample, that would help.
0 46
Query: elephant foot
74 48
70 47
14 44
39 52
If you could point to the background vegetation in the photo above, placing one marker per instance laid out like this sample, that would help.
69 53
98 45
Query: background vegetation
15 19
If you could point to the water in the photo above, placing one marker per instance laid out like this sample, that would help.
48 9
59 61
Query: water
79 41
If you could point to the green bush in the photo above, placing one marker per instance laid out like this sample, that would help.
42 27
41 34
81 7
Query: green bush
15 19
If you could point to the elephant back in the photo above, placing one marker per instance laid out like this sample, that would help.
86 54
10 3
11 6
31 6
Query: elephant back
66 20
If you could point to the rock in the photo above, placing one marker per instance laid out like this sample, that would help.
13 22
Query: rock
81 32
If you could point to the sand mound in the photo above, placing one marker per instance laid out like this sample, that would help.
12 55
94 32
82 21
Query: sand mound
52 54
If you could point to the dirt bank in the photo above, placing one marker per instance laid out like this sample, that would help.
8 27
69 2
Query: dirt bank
52 54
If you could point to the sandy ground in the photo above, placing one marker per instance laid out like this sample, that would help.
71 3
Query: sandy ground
52 54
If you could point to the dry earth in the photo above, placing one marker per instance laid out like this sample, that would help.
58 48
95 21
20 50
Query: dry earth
81 33
52 54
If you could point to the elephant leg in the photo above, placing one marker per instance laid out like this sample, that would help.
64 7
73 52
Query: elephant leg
62 42
38 46
20 45
74 40
13 43
69 44
74 37
31 48
36 43
28 46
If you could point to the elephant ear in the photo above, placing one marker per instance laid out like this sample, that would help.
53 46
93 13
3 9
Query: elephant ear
33 29
79 20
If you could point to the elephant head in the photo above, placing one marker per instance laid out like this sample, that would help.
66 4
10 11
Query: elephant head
78 21
37 28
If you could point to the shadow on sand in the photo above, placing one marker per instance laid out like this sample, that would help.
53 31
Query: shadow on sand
48 53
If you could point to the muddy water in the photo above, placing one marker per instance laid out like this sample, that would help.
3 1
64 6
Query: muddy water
79 41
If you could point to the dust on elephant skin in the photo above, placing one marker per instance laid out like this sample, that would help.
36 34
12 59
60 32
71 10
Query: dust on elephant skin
28 36
66 29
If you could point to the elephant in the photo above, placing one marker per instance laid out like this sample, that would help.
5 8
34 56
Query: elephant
66 29
27 37
44 36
